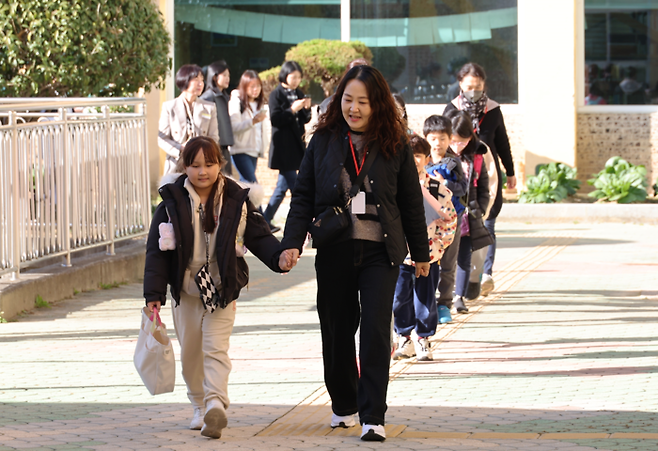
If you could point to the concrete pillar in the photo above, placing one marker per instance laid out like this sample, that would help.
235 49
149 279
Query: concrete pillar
548 51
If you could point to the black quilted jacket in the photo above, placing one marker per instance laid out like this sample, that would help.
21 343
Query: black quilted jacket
168 267
394 183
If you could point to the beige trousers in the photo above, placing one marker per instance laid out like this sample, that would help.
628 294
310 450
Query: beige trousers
204 341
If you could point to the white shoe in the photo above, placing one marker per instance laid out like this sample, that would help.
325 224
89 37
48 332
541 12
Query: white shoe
486 285
373 433
215 419
197 419
423 350
345 421
405 349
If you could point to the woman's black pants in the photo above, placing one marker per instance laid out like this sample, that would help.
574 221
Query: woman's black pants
356 282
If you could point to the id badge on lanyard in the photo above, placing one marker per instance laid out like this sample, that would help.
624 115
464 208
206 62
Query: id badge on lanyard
358 205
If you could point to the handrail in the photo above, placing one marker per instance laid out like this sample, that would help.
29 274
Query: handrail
28 103
72 181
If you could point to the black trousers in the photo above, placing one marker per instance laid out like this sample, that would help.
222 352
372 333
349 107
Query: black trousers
228 168
356 283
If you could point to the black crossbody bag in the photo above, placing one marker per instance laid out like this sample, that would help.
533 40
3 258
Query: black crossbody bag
332 222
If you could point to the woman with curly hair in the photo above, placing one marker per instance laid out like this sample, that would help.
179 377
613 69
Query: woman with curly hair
357 271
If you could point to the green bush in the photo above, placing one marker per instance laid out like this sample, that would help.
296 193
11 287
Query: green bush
553 183
81 47
323 62
620 181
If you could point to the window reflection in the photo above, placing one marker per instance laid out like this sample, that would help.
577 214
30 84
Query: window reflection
621 52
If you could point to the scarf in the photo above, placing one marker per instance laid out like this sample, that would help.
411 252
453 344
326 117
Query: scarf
474 109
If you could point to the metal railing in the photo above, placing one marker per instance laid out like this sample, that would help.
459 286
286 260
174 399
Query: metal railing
73 175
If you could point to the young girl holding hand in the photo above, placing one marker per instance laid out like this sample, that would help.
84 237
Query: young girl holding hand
212 220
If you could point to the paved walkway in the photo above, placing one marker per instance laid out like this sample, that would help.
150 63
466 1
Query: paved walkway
563 356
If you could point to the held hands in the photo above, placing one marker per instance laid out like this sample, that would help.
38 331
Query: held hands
422 269
288 259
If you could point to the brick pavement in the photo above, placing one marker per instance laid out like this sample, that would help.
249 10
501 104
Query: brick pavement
564 358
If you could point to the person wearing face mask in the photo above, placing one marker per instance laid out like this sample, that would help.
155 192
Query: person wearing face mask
218 78
185 117
489 126
290 110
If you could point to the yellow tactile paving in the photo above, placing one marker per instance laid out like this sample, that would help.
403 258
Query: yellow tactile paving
312 416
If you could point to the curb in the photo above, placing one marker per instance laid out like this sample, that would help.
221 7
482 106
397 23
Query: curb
55 282
588 213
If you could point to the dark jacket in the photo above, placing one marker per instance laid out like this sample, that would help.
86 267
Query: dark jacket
394 184
221 100
168 267
494 135
479 192
287 145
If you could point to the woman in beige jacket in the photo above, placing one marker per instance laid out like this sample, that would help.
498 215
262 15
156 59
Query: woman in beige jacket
246 112
186 116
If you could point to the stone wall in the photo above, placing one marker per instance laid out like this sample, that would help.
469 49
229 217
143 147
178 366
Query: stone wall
632 136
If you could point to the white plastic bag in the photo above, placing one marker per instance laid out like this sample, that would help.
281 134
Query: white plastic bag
154 355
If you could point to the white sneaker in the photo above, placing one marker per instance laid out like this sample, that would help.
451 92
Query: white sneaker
486 285
423 350
197 419
405 349
345 421
373 433
215 419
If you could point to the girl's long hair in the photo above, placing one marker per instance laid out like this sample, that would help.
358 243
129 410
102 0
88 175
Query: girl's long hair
384 124
247 77
212 154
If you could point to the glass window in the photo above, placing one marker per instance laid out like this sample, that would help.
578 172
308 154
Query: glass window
419 45
621 52
249 34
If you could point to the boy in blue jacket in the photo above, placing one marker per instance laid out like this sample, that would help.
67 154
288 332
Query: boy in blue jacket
447 167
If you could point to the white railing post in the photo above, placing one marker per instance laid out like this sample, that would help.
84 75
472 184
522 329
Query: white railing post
16 232
110 182
64 215
145 164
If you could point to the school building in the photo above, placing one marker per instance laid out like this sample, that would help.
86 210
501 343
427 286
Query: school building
577 79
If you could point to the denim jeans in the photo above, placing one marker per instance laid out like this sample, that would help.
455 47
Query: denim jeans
246 165
490 225
414 304
356 283
285 182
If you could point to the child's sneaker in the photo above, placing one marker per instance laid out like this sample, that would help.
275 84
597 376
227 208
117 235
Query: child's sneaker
373 433
342 421
423 350
444 315
487 284
458 303
197 419
405 349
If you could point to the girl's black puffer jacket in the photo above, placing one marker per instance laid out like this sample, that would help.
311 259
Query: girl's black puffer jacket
164 268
